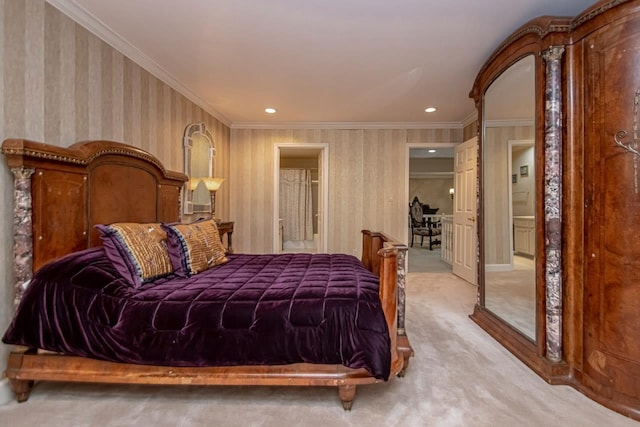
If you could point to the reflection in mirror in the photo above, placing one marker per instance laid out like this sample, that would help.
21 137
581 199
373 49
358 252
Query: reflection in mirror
509 197
198 156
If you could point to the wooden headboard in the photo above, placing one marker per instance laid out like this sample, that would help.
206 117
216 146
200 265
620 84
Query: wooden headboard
61 193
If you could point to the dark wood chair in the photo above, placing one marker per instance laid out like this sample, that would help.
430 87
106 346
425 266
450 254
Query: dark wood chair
421 227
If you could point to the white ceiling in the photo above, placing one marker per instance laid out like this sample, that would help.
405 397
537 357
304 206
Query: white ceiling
334 61
431 152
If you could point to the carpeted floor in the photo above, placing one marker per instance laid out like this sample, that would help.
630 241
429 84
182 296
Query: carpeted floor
424 260
511 295
458 377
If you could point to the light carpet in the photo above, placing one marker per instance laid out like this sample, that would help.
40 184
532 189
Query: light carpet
424 260
459 377
511 295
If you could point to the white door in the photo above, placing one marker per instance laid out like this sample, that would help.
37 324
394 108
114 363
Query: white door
464 210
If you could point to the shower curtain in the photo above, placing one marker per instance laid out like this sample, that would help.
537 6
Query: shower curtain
296 208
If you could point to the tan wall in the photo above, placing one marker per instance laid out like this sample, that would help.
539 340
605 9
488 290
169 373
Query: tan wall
367 176
60 84
496 188
422 165
470 131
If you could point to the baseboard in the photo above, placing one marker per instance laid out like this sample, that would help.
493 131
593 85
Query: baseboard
6 395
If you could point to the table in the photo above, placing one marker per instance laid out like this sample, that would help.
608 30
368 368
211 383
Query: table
226 227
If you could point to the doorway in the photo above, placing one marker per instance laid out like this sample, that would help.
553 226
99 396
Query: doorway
430 178
300 197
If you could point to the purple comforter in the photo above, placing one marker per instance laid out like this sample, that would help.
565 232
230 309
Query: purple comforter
254 310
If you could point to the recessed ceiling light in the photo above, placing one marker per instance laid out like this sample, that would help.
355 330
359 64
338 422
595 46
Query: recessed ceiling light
270 110
432 151
430 109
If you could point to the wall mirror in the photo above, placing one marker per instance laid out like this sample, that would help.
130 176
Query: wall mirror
199 153
509 197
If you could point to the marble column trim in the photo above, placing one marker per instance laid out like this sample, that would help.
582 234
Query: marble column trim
402 286
22 231
553 201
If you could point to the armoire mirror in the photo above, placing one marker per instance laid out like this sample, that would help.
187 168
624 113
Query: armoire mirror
199 152
509 196
581 323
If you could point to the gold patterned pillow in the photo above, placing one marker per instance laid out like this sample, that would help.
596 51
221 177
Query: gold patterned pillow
138 251
194 248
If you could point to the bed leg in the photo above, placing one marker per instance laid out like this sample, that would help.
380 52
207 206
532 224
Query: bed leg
347 393
405 364
405 351
22 389
403 371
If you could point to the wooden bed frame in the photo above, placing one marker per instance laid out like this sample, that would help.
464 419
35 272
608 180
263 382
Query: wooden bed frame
60 193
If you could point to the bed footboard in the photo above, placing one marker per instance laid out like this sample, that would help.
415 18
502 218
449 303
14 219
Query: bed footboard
376 257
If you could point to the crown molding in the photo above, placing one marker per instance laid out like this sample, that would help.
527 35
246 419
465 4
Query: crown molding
106 34
91 23
507 123
346 125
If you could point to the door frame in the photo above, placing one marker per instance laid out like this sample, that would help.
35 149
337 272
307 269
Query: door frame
407 167
323 192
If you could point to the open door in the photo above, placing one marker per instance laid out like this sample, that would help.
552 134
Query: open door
464 210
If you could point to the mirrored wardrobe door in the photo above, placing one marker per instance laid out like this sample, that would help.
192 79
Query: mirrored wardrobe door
509 197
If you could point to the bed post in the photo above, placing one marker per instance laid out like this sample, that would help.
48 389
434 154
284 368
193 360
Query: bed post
372 242
404 347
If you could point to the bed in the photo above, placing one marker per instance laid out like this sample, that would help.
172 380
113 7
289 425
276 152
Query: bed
62 194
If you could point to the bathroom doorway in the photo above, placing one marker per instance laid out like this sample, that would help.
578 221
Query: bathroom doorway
300 198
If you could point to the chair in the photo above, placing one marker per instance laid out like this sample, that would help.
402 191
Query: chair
422 228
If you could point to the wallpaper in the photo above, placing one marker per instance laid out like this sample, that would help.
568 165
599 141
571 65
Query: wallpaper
367 182
61 84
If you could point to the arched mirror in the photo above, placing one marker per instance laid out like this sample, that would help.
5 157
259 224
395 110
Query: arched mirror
509 197
199 153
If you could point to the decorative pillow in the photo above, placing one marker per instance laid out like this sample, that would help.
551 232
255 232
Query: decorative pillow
137 251
195 247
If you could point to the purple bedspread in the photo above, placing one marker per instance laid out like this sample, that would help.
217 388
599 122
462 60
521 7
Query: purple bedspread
254 310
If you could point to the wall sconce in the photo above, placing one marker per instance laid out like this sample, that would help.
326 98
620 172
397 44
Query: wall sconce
213 185
451 193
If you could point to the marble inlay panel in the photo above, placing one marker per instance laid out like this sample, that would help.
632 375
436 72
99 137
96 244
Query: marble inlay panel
553 201
22 231
402 283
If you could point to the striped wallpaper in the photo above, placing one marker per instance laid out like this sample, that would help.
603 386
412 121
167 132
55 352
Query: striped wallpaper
367 178
60 84
470 131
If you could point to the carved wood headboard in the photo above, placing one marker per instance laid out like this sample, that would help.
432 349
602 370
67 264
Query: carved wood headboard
61 193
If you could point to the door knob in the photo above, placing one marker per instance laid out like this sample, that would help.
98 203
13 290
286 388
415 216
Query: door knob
472 219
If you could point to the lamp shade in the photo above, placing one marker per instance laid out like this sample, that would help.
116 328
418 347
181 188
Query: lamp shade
193 183
213 184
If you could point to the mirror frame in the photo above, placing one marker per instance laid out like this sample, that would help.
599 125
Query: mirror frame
533 38
189 133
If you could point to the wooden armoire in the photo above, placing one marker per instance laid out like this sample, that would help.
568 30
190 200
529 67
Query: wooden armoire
585 120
